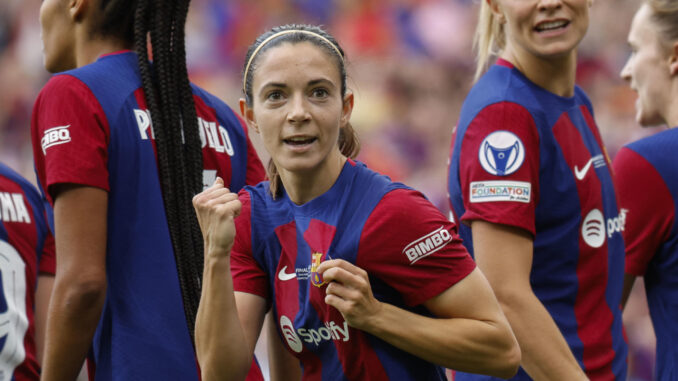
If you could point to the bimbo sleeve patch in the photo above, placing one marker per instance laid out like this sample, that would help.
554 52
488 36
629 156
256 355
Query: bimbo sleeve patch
500 190
54 136
427 245
501 153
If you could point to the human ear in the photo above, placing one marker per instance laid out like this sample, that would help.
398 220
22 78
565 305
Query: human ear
673 60
347 108
248 114
496 11
78 9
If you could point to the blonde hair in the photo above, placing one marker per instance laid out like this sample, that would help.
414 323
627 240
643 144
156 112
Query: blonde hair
665 17
489 39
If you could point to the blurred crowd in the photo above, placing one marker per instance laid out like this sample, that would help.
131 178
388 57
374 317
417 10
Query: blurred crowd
410 65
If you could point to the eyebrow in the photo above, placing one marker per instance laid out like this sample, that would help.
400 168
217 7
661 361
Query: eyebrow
281 85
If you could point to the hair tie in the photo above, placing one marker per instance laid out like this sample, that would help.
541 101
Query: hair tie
247 68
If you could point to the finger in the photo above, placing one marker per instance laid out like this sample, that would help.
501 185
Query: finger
340 304
342 291
228 208
221 198
345 277
204 198
341 263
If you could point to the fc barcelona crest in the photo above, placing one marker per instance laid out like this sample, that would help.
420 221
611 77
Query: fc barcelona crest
501 153
316 279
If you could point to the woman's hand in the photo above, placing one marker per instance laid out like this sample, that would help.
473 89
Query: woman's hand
216 208
349 291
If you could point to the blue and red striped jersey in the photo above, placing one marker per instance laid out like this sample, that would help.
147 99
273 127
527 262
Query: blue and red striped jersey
26 250
525 157
91 127
647 183
409 249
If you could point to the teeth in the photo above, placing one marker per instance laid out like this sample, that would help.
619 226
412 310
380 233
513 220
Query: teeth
551 25
298 139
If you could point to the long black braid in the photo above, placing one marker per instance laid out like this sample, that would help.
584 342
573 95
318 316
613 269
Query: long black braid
175 125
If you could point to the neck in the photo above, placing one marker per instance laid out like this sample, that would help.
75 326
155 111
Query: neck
88 49
556 75
304 186
672 112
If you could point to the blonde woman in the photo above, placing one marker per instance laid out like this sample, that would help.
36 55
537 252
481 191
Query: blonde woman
531 185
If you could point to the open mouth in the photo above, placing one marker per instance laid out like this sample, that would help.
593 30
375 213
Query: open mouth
551 25
300 140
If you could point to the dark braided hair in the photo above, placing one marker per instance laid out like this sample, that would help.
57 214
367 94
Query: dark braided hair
348 140
174 121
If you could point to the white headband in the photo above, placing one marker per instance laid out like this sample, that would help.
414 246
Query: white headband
247 68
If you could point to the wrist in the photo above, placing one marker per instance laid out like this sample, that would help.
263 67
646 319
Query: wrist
375 322
217 251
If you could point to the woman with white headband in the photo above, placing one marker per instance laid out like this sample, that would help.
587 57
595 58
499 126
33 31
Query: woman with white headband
365 278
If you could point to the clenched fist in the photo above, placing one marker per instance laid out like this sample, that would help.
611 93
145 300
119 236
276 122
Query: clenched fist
216 208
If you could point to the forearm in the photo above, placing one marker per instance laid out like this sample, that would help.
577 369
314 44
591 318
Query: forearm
467 345
219 336
74 313
545 353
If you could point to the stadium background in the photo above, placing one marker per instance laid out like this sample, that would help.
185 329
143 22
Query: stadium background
410 65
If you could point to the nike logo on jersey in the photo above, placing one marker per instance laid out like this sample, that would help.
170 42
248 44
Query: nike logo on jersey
54 136
282 275
597 161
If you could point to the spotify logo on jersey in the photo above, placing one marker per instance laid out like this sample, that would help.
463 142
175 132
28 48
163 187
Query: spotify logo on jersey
290 334
593 229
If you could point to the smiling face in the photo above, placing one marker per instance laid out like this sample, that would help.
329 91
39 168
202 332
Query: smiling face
56 31
542 28
648 70
298 108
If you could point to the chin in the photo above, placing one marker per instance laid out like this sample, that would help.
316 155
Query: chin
649 121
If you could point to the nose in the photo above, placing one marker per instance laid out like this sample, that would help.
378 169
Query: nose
625 73
548 5
298 111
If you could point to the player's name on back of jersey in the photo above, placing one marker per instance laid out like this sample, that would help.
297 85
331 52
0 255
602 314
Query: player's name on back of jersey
13 208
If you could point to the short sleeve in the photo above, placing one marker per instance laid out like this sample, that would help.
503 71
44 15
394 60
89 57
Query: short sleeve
499 167
408 244
647 205
70 135
248 276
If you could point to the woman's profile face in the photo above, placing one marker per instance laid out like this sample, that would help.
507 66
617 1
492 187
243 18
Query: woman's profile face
647 70
297 105
543 28
56 31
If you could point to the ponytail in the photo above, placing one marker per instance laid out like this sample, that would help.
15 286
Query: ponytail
489 38
174 121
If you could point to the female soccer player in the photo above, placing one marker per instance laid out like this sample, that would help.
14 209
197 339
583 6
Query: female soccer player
647 174
27 273
121 146
530 180
366 279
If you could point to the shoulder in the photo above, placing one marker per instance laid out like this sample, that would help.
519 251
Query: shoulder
14 183
63 84
660 141
403 207
657 151
500 95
